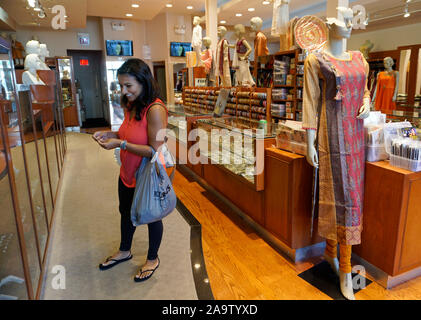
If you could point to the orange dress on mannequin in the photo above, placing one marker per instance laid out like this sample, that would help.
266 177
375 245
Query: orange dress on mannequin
385 91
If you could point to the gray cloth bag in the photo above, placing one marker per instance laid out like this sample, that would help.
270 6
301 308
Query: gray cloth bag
154 197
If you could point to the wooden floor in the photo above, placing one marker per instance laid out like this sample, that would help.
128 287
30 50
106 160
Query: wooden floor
241 265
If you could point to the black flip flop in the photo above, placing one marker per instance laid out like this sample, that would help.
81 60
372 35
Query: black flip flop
140 279
117 261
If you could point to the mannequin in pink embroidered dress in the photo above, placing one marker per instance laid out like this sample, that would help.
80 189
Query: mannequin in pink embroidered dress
207 60
240 63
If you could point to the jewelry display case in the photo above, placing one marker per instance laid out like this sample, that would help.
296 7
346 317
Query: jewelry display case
236 145
68 90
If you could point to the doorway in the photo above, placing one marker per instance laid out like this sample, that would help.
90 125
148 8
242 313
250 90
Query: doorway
87 67
159 75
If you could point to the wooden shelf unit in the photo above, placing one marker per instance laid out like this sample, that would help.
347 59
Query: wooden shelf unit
293 54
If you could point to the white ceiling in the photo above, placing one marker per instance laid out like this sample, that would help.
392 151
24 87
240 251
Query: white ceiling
78 10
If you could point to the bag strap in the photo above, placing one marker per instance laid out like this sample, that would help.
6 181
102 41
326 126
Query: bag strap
171 176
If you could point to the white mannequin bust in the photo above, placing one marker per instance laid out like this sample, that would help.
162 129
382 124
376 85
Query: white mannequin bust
43 52
31 66
32 47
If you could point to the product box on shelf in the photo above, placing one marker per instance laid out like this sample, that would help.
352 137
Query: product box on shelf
291 137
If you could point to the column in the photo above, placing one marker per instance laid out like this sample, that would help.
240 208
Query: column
211 15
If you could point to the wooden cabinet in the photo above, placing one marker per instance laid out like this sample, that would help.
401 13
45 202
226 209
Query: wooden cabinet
392 219
288 191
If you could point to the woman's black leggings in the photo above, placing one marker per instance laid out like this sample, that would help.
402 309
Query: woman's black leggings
155 229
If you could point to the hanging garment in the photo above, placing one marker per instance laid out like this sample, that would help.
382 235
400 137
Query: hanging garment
280 17
260 45
209 64
196 40
18 50
385 91
333 94
222 65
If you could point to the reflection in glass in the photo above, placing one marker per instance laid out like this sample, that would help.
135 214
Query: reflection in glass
12 280
418 87
52 160
36 191
44 168
404 67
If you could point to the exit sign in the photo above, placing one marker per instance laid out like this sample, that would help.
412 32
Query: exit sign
84 62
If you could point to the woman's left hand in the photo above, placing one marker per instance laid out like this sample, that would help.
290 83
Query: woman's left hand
110 143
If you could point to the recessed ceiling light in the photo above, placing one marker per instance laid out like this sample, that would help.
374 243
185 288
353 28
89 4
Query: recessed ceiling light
265 2
189 7
238 14
134 5
129 15
250 9
222 22
168 5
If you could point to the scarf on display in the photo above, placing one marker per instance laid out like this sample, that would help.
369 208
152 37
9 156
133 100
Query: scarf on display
221 57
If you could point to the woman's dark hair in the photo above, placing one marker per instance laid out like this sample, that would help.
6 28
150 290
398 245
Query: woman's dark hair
140 70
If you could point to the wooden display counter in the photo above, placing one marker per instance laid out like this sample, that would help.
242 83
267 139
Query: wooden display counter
391 239
281 212
288 194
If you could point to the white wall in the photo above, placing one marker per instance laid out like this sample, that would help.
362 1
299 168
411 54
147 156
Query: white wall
58 41
388 39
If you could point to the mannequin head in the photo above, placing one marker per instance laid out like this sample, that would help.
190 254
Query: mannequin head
341 29
3 35
35 38
221 31
32 63
32 47
196 20
207 42
13 36
239 30
388 63
256 24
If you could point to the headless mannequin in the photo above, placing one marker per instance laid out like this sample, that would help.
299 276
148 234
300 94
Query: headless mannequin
222 62
43 52
197 39
207 60
338 31
241 63
388 65
30 76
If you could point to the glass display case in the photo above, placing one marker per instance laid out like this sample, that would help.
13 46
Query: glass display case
29 178
237 145
68 91
180 119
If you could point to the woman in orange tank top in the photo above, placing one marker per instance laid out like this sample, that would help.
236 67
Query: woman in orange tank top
145 115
